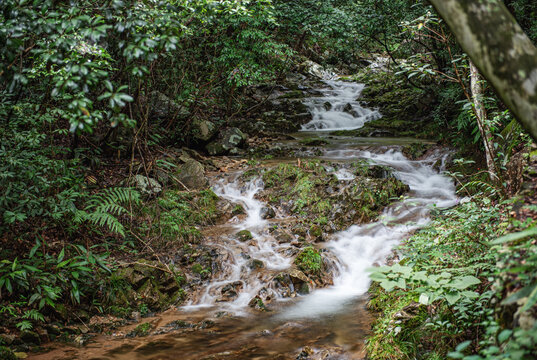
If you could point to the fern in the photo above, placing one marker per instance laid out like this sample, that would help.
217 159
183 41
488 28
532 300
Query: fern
103 209
482 187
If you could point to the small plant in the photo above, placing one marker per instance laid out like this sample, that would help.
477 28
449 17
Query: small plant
309 260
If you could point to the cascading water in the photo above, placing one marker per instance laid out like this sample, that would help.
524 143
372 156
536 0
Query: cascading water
331 318
250 263
362 246
338 108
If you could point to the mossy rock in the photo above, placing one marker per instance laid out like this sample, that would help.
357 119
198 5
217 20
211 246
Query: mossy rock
315 141
244 235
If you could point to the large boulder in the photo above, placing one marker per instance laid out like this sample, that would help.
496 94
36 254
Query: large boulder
192 175
203 130
162 107
228 139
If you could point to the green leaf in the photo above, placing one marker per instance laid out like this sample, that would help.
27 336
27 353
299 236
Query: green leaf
452 298
463 345
504 335
516 236
465 282
522 293
532 299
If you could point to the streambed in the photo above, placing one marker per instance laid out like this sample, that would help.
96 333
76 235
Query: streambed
324 322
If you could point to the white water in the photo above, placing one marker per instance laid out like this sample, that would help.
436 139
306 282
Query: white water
262 247
357 248
344 112
362 246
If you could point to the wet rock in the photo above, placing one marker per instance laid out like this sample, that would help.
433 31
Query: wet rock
244 235
146 185
255 264
179 324
347 108
327 106
228 139
206 324
141 330
379 172
305 354
267 213
192 175
230 291
203 130
282 236
257 304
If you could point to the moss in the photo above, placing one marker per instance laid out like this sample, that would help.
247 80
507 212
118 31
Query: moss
244 235
315 141
141 330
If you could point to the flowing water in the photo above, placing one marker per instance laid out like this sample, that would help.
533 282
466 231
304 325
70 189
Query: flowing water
332 321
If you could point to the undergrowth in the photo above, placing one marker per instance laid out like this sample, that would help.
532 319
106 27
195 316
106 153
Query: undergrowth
449 295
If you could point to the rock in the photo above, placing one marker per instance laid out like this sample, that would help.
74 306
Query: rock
267 213
255 264
316 70
244 235
379 172
327 106
162 107
282 236
230 291
6 339
347 108
146 185
192 175
305 354
227 140
30 337
257 304
203 130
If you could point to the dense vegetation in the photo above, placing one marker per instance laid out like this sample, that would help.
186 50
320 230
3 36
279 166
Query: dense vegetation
94 93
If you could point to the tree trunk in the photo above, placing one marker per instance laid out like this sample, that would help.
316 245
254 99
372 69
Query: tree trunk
481 117
500 49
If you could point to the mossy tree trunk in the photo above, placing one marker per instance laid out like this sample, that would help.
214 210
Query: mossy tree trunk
500 49
481 118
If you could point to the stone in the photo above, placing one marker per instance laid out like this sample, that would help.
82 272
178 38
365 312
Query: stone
30 337
162 107
255 264
227 140
267 213
244 235
192 175
203 130
146 185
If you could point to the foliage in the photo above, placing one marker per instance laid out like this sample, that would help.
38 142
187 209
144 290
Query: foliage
428 300
309 260
42 280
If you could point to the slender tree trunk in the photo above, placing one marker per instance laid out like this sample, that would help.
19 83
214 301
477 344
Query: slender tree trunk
481 117
500 49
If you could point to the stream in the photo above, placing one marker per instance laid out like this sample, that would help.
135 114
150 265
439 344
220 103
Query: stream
327 323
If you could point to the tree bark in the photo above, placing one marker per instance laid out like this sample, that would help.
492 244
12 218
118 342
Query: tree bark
500 49
481 118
